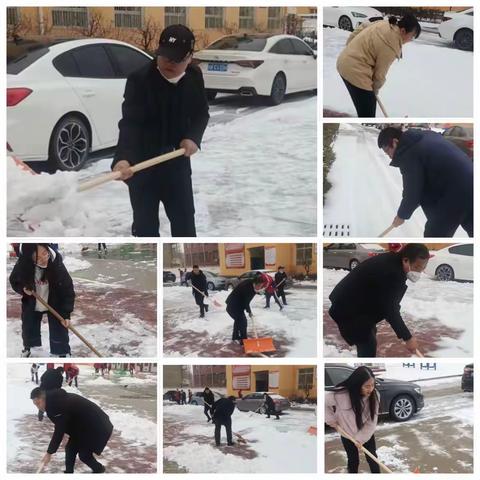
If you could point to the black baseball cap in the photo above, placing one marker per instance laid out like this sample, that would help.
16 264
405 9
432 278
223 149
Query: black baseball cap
176 42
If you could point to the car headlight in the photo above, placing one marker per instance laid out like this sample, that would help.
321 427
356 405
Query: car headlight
418 390
358 15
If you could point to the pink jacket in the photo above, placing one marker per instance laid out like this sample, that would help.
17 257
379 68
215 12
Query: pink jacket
338 410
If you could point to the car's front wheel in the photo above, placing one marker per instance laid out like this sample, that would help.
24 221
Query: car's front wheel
445 273
464 39
402 408
263 410
345 23
193 402
69 144
279 87
354 264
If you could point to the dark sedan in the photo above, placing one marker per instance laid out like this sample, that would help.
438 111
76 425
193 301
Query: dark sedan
168 276
462 137
399 399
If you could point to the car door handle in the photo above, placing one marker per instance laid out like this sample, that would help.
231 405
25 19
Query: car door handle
88 93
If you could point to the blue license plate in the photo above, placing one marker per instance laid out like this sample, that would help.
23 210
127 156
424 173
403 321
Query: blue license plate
217 67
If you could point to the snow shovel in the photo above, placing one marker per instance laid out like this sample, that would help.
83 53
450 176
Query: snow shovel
312 430
364 450
108 177
382 107
41 467
258 345
240 438
387 231
63 322
418 353
215 302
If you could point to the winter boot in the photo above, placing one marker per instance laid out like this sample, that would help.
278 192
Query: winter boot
26 353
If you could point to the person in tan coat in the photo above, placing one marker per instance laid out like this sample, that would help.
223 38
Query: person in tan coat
352 407
370 51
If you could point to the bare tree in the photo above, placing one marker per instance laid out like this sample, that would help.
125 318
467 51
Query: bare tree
20 25
149 34
95 28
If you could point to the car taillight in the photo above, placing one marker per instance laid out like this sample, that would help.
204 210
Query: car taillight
469 144
249 63
16 95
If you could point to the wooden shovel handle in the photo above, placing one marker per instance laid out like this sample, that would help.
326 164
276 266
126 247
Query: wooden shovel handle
382 107
387 231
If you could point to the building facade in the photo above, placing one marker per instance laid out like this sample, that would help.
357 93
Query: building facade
176 376
212 376
202 254
295 382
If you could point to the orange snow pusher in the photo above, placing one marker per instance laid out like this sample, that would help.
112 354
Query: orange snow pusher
312 430
258 345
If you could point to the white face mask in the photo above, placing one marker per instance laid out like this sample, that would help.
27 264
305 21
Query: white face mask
414 276
173 80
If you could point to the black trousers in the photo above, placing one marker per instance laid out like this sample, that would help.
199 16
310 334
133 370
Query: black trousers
268 296
281 294
239 323
448 219
227 423
72 449
74 379
199 301
365 101
207 410
368 347
354 457
176 194
31 333
272 411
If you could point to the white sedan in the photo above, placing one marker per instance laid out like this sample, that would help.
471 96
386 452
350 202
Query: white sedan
259 64
64 98
457 27
349 18
452 263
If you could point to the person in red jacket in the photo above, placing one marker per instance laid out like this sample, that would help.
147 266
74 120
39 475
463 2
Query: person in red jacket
72 374
270 290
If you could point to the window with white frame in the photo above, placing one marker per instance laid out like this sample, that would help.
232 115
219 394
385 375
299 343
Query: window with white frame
70 17
214 17
304 253
274 18
13 15
305 378
175 16
128 17
247 17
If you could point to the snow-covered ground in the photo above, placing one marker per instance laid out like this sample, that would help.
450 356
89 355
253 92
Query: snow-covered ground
273 446
440 314
132 413
185 334
115 305
366 192
438 439
250 179
431 80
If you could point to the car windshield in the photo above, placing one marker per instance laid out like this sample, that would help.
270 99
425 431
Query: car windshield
245 43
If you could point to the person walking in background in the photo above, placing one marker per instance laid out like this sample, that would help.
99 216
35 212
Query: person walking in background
208 401
270 406
352 407
34 372
280 282
199 289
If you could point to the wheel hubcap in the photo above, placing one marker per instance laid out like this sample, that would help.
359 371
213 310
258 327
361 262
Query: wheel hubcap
403 408
72 145
345 24
445 273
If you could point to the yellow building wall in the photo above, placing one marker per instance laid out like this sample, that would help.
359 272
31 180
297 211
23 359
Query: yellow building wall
285 256
288 380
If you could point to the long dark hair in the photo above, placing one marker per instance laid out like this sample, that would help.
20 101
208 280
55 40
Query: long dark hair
353 385
28 260
409 22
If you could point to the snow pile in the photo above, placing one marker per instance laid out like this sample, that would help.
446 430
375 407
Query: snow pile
422 69
75 264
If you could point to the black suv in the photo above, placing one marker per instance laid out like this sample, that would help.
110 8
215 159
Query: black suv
399 399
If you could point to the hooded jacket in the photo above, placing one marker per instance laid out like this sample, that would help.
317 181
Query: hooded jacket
199 282
369 53
61 292
432 169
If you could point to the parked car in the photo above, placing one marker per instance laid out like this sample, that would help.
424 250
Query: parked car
462 137
169 395
349 18
467 378
169 276
399 399
260 64
348 255
452 263
457 27
214 281
197 397
232 282
254 402
67 94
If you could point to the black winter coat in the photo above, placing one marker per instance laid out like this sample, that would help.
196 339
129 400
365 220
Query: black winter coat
270 403
241 296
433 170
157 116
223 409
61 292
370 293
280 280
209 398
51 379
84 421
200 282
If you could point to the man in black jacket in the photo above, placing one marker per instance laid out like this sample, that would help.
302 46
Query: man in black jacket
437 176
208 400
86 424
270 406
280 281
199 289
372 292
164 108
238 302
51 379
222 415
